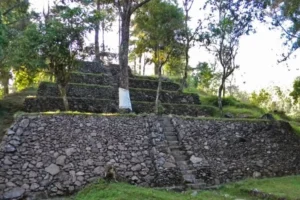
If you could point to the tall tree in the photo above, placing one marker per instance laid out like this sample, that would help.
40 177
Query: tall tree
232 22
159 22
287 11
125 8
56 42
189 37
100 17
13 19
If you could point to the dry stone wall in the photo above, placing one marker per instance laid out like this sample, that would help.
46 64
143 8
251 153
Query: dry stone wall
49 155
94 79
225 151
60 154
44 104
107 92
47 89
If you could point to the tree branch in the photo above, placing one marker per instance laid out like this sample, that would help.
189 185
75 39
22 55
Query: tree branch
134 8
13 7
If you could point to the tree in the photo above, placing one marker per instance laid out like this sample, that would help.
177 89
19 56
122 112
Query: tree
204 74
224 33
160 22
13 19
286 11
189 37
125 8
261 99
100 17
57 42
295 94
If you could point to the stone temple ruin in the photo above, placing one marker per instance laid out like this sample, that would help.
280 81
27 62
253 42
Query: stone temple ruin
94 88
44 155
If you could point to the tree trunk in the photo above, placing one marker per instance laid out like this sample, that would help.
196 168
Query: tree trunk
63 93
123 61
134 67
5 75
144 67
97 30
5 83
186 51
140 64
224 90
220 96
156 64
157 101
103 32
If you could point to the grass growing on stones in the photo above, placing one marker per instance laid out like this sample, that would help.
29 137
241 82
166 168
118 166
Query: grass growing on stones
89 74
80 84
296 127
243 112
277 188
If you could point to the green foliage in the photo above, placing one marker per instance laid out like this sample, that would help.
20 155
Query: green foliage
243 112
1 93
288 12
55 43
156 25
213 100
260 99
295 94
205 77
25 78
175 66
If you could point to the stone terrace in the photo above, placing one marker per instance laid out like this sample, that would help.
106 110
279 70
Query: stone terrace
94 88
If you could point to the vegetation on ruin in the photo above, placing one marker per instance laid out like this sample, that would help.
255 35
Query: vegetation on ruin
284 187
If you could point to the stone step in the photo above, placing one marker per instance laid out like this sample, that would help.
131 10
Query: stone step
175 147
171 138
180 157
173 143
178 152
170 133
188 171
196 186
169 128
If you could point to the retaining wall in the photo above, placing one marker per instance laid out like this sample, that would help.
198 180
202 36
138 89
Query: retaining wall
58 154
44 104
107 92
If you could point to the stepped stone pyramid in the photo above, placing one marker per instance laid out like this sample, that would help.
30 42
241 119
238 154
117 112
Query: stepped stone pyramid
93 87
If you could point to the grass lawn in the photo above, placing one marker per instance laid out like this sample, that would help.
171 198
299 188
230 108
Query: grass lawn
287 187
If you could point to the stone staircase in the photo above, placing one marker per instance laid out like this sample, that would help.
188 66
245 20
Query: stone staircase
181 158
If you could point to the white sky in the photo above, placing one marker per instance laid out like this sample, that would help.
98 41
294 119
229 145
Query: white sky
258 54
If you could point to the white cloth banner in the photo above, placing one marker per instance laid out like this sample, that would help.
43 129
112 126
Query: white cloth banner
124 99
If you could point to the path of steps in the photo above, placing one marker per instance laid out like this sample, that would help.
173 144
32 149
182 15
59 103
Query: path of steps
182 160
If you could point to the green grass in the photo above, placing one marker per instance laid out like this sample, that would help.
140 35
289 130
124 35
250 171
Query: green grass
122 191
243 112
52 84
296 127
287 187
89 74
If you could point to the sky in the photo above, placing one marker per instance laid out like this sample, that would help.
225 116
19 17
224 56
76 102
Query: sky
257 55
